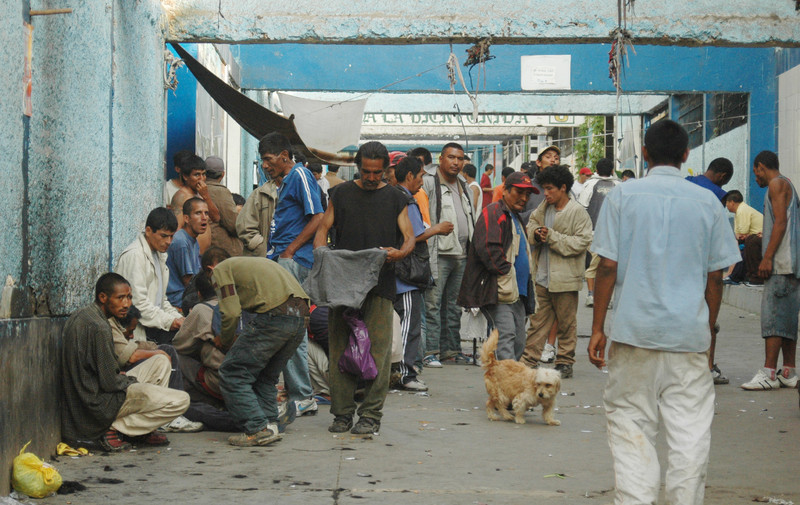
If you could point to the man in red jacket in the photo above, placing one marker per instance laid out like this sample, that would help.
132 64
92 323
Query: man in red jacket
498 272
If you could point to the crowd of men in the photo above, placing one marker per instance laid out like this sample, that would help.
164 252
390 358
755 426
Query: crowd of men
214 301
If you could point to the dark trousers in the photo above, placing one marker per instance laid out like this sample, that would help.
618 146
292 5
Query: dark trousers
409 307
752 258
249 374
378 317
159 336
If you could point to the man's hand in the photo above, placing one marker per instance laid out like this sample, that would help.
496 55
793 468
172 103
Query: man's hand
392 254
541 234
202 190
286 254
765 268
444 228
597 349
176 324
164 353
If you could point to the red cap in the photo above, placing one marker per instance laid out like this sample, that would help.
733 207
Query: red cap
586 171
395 157
521 180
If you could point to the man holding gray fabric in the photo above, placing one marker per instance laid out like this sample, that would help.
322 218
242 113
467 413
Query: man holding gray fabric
366 214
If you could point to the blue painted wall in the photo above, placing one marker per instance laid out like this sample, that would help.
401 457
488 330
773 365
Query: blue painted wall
12 138
94 157
181 105
651 69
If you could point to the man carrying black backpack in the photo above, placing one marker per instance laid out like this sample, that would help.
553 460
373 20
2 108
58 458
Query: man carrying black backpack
592 196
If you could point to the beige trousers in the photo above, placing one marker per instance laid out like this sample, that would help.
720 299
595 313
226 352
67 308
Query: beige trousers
549 307
318 365
591 272
643 386
148 402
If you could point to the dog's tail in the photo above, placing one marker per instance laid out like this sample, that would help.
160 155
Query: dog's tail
488 349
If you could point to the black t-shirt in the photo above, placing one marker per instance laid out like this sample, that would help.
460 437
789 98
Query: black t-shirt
365 219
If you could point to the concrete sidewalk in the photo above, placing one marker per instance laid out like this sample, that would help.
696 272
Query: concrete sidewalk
441 449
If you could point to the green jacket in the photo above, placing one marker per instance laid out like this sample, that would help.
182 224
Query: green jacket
252 284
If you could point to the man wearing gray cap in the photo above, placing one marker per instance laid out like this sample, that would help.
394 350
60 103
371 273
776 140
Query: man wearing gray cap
223 232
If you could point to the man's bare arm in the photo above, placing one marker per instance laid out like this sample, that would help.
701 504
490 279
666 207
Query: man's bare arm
321 238
713 297
779 195
140 354
603 287
213 211
407 230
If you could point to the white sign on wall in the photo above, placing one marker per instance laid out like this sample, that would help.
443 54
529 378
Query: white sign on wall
546 72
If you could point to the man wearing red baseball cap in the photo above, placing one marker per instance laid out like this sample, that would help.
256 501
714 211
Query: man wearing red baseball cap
577 187
497 277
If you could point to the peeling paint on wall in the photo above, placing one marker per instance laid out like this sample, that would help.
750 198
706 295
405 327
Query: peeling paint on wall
696 22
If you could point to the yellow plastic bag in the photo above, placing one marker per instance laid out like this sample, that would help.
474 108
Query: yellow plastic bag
34 477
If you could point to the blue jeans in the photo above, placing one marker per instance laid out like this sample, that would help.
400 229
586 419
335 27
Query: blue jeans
443 315
296 378
249 374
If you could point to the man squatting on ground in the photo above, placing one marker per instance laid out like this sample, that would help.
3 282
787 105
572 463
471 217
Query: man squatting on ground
100 402
253 361
649 229
497 277
366 213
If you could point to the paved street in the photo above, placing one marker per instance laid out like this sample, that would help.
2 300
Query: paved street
441 449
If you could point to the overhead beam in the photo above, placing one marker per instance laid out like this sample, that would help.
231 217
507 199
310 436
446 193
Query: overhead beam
678 22
496 103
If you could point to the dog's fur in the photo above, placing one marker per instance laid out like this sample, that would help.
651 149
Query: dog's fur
509 381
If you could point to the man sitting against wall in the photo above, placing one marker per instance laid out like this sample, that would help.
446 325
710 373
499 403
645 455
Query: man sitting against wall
101 403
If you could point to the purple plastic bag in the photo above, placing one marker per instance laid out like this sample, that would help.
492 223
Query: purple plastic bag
356 359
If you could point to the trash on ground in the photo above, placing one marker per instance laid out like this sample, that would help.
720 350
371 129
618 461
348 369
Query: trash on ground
32 476
63 449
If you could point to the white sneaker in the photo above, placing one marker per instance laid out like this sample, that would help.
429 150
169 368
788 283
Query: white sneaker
790 382
430 361
761 381
414 385
307 407
182 425
549 354
590 300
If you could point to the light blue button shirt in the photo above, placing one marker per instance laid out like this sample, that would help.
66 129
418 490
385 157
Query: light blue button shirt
665 234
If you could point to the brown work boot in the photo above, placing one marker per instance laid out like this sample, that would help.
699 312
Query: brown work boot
264 437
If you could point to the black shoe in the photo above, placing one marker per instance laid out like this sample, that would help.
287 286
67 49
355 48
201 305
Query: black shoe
566 371
341 424
366 426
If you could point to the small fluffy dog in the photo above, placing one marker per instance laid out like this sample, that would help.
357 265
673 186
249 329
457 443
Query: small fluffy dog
509 381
